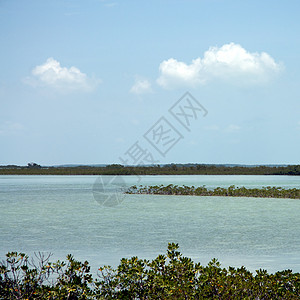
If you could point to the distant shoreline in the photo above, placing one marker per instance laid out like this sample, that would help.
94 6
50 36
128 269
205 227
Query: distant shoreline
171 169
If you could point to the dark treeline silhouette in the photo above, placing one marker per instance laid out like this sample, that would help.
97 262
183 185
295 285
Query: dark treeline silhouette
171 169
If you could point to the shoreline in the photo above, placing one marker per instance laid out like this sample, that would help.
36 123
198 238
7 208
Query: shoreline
171 169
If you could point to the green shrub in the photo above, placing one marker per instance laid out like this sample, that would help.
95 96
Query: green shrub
170 276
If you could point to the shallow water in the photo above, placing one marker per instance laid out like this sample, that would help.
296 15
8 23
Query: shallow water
59 214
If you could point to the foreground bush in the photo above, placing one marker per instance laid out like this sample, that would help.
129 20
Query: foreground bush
170 276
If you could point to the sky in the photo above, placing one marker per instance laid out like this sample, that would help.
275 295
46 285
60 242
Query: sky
138 82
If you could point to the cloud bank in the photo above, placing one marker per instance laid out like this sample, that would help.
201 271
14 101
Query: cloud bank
52 74
229 63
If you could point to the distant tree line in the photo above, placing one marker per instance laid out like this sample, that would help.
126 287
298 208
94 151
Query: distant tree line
171 169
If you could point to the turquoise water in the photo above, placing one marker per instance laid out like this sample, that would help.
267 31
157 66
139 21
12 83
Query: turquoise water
59 214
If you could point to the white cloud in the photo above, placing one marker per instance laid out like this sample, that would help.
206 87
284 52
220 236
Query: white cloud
52 74
232 128
109 3
112 4
212 127
119 140
228 128
231 62
135 122
9 128
141 86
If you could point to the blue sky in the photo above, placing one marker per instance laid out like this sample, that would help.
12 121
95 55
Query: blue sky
83 81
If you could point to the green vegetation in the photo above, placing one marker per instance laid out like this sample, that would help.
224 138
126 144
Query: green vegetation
170 276
264 192
172 169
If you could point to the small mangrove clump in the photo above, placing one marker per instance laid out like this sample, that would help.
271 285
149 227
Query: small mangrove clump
232 191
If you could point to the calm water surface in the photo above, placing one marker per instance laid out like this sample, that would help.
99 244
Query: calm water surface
58 214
